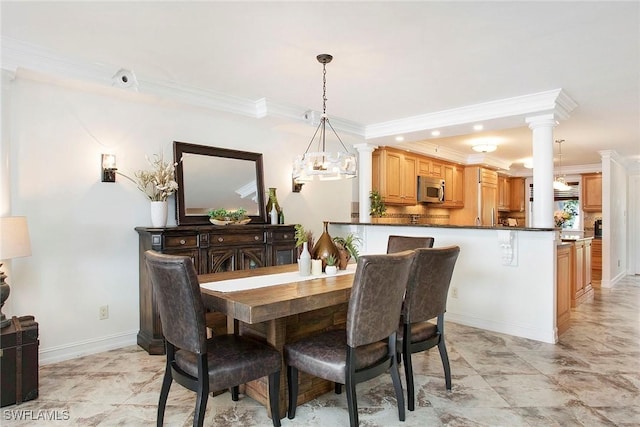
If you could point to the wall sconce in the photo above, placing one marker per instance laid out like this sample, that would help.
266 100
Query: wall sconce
109 168
296 186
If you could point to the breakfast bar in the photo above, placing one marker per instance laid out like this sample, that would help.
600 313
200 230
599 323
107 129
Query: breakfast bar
288 308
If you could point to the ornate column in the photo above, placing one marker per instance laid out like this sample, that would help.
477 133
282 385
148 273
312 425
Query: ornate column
542 144
365 171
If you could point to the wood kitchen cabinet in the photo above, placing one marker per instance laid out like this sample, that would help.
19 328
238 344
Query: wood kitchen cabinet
212 249
395 176
454 186
431 167
596 262
517 197
592 192
504 193
563 287
581 287
480 198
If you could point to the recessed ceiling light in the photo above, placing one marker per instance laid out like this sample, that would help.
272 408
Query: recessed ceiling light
437 133
399 138
478 127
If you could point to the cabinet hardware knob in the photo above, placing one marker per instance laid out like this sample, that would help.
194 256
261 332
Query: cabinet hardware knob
182 242
256 237
286 236
220 239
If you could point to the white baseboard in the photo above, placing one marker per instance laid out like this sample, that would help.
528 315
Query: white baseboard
84 348
549 336
611 283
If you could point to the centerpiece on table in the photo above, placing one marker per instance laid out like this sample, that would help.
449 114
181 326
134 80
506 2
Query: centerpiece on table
348 248
225 217
303 238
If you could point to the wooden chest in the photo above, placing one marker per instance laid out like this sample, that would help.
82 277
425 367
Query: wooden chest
19 361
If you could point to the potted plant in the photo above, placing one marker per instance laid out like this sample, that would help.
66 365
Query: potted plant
331 269
225 217
348 248
378 208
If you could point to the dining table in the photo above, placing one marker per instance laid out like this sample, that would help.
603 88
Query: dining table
278 305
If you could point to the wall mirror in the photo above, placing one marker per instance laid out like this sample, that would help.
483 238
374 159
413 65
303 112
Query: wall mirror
213 178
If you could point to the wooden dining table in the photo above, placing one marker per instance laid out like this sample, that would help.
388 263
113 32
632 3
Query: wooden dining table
281 313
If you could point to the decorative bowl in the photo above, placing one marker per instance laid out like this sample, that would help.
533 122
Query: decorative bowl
215 221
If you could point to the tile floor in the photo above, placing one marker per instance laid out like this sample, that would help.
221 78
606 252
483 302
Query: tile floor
590 378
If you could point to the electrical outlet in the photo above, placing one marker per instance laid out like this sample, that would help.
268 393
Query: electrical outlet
454 293
104 312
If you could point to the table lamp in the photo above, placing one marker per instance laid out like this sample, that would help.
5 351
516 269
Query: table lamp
14 243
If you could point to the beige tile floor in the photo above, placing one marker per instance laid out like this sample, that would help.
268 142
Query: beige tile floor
590 378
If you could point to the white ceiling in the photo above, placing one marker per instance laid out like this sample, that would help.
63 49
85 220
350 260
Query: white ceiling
392 60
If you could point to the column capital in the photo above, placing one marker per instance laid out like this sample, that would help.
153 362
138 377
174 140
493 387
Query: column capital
365 147
544 120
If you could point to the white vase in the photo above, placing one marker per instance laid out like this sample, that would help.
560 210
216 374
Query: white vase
159 214
304 262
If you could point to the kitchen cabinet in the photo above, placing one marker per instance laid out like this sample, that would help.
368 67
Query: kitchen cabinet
504 193
592 192
480 198
212 249
517 196
581 287
454 186
563 287
596 262
395 176
431 167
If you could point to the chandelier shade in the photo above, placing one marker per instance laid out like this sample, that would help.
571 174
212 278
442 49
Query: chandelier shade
320 163
559 182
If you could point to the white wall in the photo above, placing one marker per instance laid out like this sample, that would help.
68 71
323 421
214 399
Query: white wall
85 249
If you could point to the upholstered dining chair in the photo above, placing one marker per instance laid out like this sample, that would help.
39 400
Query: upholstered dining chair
426 299
404 243
367 348
193 361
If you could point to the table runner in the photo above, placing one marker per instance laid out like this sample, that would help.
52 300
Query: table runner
255 282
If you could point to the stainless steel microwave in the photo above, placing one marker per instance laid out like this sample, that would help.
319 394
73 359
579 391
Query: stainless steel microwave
430 190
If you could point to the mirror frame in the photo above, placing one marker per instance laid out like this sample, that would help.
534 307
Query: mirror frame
181 148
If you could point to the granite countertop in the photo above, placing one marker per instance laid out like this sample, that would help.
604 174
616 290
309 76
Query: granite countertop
472 227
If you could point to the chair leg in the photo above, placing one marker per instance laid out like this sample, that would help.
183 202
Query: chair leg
352 402
164 393
408 373
397 385
338 388
292 383
445 363
201 405
235 392
274 397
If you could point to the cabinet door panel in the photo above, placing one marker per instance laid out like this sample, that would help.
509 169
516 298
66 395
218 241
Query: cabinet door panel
250 258
221 260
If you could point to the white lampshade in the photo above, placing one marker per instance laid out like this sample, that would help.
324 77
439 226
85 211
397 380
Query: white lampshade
14 237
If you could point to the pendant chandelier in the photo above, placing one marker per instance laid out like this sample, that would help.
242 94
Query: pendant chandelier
326 165
559 183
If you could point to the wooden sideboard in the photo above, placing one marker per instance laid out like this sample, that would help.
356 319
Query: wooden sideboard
213 249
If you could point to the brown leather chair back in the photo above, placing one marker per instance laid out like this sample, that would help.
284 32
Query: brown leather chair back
376 302
177 291
404 243
428 286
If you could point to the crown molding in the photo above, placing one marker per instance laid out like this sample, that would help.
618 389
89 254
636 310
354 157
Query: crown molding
554 101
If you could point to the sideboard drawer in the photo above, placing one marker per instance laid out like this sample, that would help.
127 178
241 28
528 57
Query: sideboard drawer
236 239
172 242
283 236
